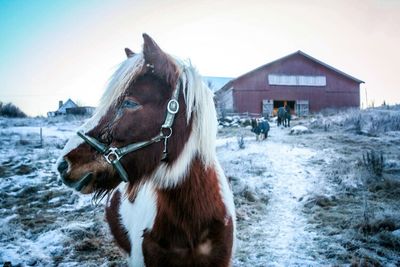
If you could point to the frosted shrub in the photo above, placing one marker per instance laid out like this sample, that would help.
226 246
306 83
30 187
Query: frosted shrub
10 110
371 121
241 143
373 162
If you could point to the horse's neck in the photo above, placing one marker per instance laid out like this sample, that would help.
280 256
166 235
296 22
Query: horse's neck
196 198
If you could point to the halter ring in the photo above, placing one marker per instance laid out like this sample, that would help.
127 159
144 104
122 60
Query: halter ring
112 155
173 106
168 135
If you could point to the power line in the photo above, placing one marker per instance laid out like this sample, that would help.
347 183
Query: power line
26 95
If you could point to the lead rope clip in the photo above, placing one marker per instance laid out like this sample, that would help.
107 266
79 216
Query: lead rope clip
165 145
166 139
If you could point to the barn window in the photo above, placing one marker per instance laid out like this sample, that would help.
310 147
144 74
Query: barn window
296 80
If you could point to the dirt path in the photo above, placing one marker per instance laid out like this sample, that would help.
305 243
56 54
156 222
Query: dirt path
273 177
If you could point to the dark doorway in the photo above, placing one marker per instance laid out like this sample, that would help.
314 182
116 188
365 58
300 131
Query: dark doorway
282 103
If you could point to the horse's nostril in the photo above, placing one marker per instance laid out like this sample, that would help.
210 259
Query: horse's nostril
62 167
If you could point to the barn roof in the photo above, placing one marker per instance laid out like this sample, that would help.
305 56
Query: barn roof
328 66
216 82
226 86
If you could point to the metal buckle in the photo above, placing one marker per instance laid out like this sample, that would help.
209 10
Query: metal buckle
112 154
173 106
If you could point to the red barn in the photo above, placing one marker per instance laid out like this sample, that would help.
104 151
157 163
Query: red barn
298 80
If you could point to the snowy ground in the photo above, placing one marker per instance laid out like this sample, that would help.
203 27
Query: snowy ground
43 222
302 200
272 228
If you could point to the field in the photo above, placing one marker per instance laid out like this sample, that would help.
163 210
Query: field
327 197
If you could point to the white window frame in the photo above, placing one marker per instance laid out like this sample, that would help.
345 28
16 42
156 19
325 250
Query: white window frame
297 80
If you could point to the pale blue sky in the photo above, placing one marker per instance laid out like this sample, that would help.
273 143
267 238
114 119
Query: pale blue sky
54 50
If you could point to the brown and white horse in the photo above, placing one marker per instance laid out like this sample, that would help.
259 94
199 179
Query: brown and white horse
155 129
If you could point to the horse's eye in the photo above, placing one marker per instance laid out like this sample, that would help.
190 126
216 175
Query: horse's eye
129 104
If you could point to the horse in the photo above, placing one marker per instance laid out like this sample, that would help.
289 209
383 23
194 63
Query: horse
260 127
284 116
150 148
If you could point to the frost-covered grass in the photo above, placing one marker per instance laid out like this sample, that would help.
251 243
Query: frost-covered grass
301 200
359 210
373 121
43 222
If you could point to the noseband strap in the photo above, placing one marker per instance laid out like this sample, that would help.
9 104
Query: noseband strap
113 155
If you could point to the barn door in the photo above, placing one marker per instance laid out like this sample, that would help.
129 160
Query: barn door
267 107
302 107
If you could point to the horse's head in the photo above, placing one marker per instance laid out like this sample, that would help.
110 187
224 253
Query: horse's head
135 130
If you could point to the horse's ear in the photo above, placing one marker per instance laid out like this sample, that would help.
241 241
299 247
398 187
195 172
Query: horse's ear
129 53
159 62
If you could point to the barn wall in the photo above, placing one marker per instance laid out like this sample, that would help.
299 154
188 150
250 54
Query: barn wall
226 100
251 89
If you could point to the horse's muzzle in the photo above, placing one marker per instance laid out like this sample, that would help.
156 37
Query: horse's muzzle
62 167
76 184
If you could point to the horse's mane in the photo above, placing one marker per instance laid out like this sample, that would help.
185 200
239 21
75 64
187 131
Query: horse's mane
199 104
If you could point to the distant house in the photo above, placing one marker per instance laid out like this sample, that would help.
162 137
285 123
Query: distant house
298 80
70 108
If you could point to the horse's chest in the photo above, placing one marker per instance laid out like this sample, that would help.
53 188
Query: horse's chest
136 218
171 245
159 238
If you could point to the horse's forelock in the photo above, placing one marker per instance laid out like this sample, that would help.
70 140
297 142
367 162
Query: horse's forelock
126 72
197 95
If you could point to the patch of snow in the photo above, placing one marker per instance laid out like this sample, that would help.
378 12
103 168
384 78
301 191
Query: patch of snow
299 129
396 233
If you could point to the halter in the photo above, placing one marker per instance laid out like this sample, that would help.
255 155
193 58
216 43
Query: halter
113 155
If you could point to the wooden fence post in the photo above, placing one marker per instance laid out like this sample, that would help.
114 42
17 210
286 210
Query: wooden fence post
41 137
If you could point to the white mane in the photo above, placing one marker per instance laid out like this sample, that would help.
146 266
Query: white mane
200 105
199 102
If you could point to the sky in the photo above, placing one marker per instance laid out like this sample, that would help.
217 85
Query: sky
52 50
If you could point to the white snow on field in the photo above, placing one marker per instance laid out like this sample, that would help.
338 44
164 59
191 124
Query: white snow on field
276 233
271 180
271 231
62 133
